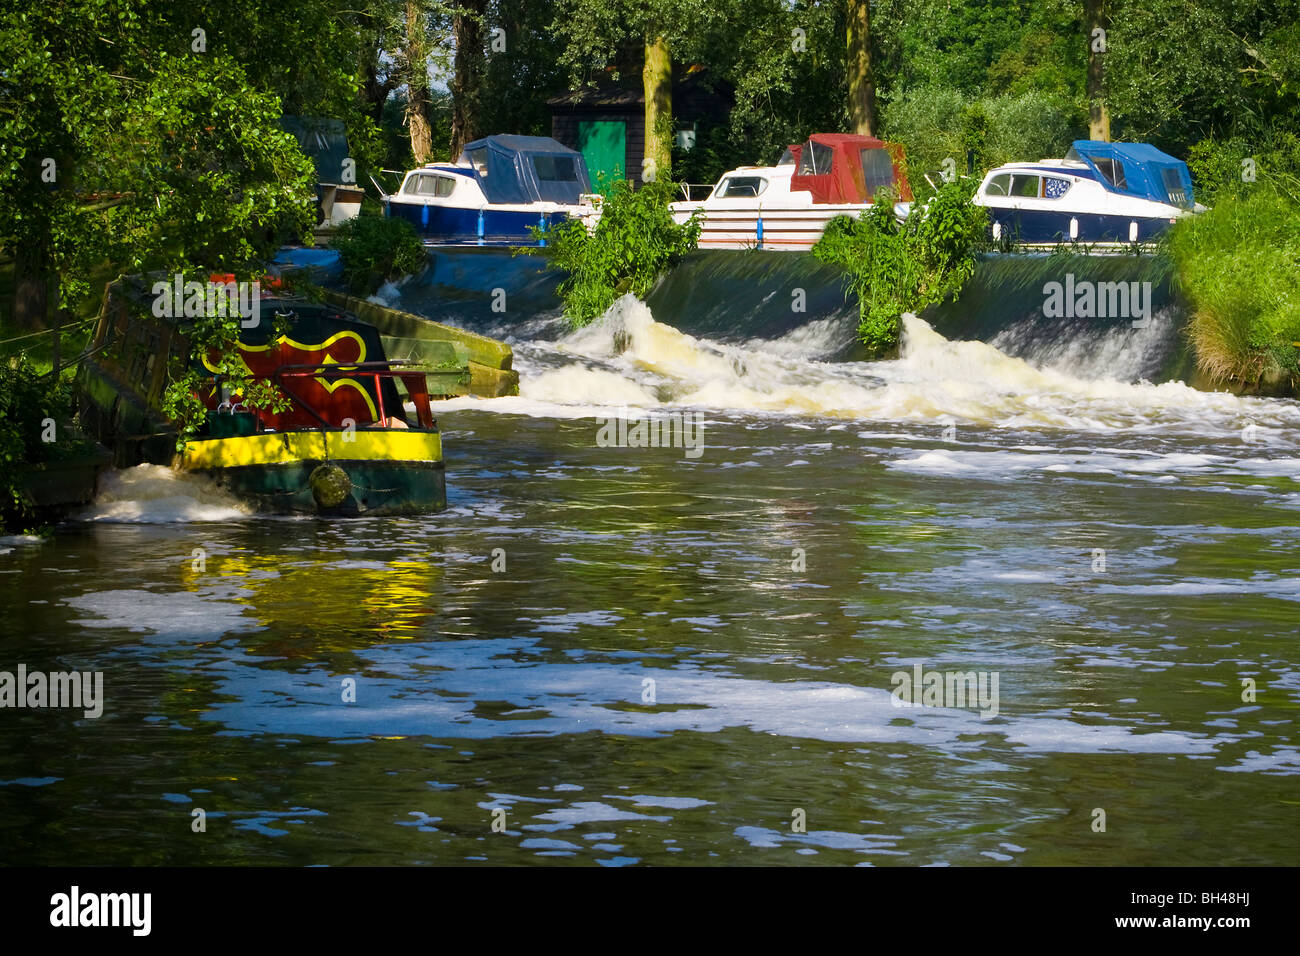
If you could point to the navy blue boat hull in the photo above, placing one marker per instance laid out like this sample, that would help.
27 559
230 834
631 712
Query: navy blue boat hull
1043 225
450 225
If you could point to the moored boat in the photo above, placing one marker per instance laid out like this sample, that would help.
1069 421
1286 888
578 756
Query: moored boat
341 441
1098 193
498 189
787 206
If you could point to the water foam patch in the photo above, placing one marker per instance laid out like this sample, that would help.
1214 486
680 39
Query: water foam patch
153 494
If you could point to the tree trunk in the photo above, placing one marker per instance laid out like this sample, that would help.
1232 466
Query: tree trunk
417 83
31 286
862 84
1098 116
467 79
374 91
657 81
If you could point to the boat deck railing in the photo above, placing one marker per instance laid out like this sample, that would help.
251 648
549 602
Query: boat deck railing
412 375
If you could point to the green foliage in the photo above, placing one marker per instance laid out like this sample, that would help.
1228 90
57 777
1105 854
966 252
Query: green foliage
935 123
26 400
214 340
904 267
377 249
1236 265
1231 168
1177 72
635 241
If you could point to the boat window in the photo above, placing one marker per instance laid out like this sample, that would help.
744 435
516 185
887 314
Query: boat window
1113 171
1027 186
478 159
1054 188
436 186
740 187
787 158
411 185
999 185
877 169
1174 188
555 169
815 159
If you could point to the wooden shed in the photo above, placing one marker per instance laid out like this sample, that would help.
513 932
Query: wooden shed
606 123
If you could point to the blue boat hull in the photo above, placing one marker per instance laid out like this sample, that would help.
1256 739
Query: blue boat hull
450 225
1035 225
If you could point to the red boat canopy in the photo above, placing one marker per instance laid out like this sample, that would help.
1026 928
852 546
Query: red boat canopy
846 168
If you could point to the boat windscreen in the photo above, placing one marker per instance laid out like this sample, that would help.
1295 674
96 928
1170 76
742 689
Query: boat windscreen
478 159
1172 180
815 159
741 187
877 169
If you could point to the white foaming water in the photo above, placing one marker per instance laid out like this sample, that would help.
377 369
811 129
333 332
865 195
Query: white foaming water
389 293
627 358
1122 353
154 494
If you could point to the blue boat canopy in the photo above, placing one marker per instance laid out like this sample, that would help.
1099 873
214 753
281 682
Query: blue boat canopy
525 169
1137 169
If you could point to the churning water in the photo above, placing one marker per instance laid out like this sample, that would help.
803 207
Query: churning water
628 655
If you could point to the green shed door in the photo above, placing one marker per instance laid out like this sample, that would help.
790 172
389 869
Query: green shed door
603 144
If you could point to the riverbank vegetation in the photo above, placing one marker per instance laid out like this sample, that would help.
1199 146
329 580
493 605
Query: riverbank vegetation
896 267
1236 264
149 135
377 249
634 243
35 407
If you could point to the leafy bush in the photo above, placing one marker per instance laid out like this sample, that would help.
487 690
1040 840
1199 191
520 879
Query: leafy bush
1231 168
377 249
26 400
903 267
635 241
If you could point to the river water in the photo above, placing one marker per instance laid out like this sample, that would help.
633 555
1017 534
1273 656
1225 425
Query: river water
667 655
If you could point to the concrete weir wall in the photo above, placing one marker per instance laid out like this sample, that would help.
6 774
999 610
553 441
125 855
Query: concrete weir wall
1011 302
735 296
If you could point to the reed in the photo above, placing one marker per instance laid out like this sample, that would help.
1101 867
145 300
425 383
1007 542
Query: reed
1236 266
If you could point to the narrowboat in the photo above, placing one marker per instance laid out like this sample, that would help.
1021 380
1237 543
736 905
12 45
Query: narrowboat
1099 193
499 188
787 206
353 435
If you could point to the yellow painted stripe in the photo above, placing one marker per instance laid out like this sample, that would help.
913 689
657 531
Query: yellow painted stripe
280 448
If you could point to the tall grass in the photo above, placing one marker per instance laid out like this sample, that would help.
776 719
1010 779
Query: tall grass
1238 265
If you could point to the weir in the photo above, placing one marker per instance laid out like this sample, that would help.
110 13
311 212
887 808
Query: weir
741 296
